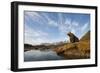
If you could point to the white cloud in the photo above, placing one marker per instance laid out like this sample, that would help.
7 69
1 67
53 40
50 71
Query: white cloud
75 24
36 17
64 26
34 41
52 23
45 16
40 40
73 31
67 21
34 36
84 29
49 21
85 26
33 14
68 26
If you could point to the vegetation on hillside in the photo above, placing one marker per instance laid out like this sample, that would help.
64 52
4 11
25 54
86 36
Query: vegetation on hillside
77 50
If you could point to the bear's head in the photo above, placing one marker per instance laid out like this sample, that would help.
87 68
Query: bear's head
70 34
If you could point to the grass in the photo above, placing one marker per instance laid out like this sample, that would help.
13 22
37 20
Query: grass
77 50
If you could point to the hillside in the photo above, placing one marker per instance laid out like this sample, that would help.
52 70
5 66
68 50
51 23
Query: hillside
44 46
77 50
27 45
86 37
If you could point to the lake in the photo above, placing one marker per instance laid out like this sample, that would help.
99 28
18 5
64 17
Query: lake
38 55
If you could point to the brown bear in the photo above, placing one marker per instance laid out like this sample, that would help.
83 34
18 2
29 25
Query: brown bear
72 37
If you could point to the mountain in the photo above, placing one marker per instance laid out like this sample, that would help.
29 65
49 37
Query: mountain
28 45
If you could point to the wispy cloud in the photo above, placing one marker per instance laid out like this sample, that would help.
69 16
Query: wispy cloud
34 36
85 26
35 17
41 27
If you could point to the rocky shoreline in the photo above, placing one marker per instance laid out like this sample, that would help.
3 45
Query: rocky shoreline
79 49
76 50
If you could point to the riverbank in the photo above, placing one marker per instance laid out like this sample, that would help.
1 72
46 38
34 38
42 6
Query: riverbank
77 50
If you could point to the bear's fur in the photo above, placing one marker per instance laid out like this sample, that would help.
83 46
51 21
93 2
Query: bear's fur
72 37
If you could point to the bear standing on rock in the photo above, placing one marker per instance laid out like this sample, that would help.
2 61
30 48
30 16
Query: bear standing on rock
73 38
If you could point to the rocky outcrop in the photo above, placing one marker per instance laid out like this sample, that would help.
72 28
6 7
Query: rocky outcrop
76 50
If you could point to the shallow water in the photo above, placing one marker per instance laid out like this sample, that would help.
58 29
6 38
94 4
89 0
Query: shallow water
38 55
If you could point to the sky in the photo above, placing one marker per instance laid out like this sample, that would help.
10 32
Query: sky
51 27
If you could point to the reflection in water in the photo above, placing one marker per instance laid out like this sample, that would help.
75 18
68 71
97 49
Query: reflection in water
37 55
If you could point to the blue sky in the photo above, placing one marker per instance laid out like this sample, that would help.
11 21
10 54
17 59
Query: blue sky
51 27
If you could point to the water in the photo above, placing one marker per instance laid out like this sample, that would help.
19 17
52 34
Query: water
38 55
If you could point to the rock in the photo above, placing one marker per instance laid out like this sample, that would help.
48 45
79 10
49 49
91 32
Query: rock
75 49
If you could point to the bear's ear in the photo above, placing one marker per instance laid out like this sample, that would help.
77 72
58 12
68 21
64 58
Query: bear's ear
68 33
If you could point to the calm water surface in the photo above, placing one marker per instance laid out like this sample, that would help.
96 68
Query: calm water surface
38 55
